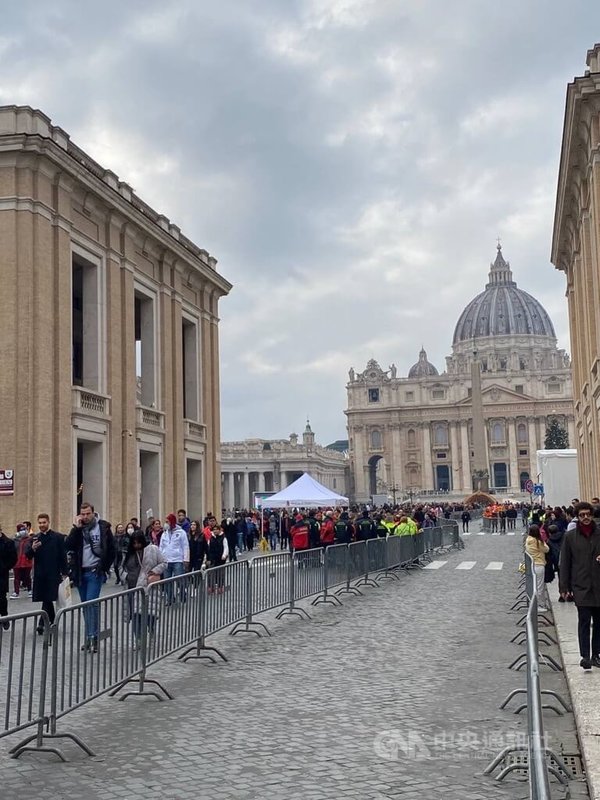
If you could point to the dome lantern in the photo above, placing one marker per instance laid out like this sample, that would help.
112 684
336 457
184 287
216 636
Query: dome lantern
423 368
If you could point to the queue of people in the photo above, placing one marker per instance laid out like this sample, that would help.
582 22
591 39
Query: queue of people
41 559
565 542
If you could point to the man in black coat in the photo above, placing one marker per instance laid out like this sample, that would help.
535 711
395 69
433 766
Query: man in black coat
8 558
580 574
47 549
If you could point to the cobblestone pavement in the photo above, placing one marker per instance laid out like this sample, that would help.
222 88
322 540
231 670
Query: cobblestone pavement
393 695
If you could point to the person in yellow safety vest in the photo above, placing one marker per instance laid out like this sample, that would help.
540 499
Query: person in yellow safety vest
390 522
414 528
404 528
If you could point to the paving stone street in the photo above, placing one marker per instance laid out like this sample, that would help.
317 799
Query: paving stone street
394 695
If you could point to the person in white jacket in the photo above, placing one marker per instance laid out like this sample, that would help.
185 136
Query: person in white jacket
175 547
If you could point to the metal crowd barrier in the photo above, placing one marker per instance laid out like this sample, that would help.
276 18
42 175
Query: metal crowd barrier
538 753
23 674
106 646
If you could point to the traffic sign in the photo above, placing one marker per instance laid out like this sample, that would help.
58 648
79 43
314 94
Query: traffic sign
538 489
529 486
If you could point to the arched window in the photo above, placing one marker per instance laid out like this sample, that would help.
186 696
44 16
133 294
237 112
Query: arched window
411 439
522 433
498 436
440 435
376 440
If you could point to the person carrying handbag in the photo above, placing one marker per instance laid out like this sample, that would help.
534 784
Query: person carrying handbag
537 549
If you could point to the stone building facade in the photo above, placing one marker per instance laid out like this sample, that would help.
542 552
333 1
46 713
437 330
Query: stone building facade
414 434
576 251
269 465
109 386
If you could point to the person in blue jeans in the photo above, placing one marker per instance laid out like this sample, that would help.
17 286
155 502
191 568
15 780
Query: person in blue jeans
90 552
175 547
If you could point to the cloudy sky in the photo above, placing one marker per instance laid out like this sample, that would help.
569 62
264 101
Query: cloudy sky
349 162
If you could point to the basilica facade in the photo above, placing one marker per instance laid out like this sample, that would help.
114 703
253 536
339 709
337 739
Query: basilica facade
415 435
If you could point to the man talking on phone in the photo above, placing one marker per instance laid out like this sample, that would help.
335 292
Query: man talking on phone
91 551
47 549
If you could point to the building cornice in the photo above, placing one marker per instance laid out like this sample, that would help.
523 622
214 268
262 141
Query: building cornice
36 136
582 100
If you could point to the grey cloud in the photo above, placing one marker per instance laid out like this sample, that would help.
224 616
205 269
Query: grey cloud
350 163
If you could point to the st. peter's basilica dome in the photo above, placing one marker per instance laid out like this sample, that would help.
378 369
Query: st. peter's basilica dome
502 309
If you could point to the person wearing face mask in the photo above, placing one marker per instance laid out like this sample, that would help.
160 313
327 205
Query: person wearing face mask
122 539
175 547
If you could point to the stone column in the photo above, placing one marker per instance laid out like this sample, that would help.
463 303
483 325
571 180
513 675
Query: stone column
428 466
455 457
360 484
542 436
467 481
245 495
230 490
572 433
396 457
514 482
532 448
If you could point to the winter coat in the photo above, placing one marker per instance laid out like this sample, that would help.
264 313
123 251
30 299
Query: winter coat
49 564
74 547
22 543
218 550
555 543
8 558
198 550
579 570
537 549
153 561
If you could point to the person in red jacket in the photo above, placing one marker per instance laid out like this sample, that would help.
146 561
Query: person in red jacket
327 530
299 534
22 568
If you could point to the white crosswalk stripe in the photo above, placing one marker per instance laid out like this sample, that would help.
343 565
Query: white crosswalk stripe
493 566
481 533
510 533
468 533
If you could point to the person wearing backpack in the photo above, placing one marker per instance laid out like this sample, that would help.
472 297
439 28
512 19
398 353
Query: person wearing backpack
314 530
343 529
381 527
365 528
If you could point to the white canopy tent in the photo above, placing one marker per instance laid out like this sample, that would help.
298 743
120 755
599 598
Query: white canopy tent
306 492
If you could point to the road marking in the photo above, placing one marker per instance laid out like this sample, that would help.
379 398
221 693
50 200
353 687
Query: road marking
511 533
481 533
468 533
436 564
495 565
466 565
